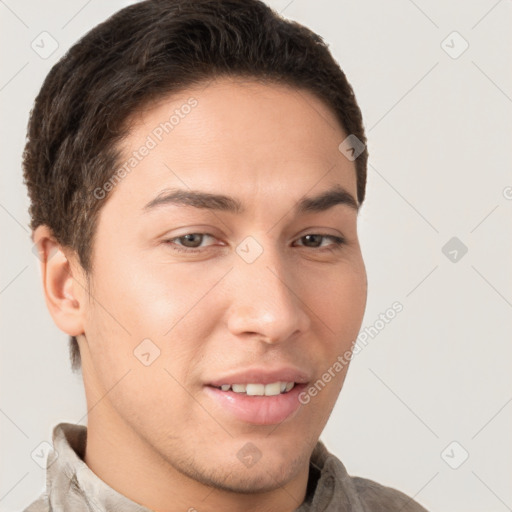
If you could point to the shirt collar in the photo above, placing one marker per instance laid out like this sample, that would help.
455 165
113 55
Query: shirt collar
72 485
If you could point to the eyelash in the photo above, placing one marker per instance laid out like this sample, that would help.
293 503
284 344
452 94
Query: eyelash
337 243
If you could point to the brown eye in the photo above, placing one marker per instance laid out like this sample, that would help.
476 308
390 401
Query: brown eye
316 240
190 242
194 239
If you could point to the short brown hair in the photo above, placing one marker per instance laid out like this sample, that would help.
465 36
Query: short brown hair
143 52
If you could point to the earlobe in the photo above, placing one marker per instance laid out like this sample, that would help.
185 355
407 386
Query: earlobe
62 289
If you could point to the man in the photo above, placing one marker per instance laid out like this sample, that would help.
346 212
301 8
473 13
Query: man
195 171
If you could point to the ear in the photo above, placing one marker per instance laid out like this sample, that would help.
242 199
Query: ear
64 284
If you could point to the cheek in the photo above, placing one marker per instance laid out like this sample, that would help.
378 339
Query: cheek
339 305
145 395
338 301
135 302
146 298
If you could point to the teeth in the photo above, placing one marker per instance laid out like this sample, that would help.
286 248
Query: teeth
255 389
272 389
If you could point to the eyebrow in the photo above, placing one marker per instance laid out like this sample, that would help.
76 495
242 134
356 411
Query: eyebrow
205 200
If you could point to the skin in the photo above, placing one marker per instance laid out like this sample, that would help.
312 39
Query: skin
154 435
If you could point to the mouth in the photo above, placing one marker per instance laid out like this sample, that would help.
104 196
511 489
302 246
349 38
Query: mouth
258 389
258 396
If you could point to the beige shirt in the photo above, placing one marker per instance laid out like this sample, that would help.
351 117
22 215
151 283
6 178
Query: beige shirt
72 487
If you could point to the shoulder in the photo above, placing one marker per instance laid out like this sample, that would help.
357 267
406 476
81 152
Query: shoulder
39 505
377 497
335 485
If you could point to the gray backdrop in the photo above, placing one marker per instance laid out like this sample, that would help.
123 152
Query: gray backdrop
426 406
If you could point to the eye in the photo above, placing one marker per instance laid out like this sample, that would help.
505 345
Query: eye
191 242
315 239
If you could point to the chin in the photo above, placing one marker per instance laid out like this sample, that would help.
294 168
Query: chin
267 474
260 478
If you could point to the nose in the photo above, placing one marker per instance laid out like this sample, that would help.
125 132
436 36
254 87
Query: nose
265 299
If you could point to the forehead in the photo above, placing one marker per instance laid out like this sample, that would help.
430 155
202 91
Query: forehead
239 137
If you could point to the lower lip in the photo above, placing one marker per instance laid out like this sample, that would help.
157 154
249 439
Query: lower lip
258 410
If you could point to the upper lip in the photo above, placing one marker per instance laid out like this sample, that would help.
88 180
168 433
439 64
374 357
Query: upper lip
262 376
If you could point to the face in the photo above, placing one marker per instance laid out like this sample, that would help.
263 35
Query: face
201 304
